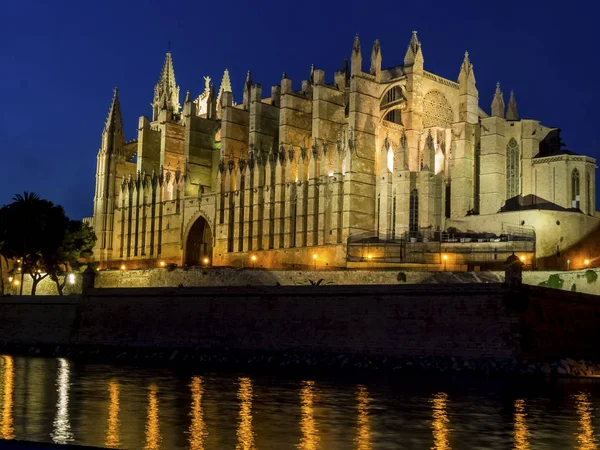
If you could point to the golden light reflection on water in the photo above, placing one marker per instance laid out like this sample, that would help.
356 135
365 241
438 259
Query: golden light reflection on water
6 427
363 438
310 434
62 425
113 425
585 435
152 428
244 432
197 427
440 422
521 430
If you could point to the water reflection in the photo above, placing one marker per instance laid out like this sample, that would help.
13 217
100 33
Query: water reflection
62 426
152 428
310 436
6 427
114 426
244 432
521 430
440 422
197 427
585 436
363 438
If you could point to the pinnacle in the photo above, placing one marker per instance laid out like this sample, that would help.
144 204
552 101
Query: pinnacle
114 121
356 44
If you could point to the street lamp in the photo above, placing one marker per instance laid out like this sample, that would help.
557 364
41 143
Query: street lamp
445 258
123 267
586 262
162 264
315 260
253 258
523 258
568 263
206 261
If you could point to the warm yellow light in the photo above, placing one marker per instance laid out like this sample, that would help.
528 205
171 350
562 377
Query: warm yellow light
72 278
315 256
522 258
253 257
10 279
445 257
162 264
586 262
16 282
205 260
123 267
369 256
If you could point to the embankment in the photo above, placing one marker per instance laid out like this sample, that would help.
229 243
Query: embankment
470 322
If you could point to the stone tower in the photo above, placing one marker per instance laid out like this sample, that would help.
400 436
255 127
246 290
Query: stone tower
109 155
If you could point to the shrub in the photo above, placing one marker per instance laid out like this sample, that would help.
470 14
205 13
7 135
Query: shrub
402 277
591 276
555 281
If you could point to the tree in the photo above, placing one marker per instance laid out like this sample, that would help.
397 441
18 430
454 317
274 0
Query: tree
32 229
76 248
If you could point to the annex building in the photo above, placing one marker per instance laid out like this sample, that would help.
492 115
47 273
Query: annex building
381 166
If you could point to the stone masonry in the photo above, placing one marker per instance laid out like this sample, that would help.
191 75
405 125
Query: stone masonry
288 177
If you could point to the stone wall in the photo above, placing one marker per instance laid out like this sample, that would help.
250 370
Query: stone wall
37 320
471 321
223 276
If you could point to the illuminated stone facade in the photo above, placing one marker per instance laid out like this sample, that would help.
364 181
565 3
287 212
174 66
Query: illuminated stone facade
395 153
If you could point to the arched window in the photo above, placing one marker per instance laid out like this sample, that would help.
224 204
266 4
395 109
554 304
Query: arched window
588 193
575 199
394 116
413 219
513 169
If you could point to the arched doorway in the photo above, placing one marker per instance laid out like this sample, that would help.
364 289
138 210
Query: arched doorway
199 243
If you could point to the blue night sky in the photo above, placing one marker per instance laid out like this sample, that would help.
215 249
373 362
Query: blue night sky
61 60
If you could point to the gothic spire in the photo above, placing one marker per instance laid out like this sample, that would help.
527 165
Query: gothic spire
356 58
114 121
166 90
112 135
414 53
498 103
248 83
225 86
512 113
466 71
376 58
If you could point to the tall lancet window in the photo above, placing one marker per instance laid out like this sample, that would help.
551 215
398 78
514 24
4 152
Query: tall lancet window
513 169
588 193
413 218
575 198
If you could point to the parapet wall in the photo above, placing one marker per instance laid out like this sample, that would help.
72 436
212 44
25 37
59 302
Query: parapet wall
223 276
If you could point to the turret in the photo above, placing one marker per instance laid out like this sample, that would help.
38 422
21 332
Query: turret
512 112
414 54
166 91
498 103
356 58
376 60
469 97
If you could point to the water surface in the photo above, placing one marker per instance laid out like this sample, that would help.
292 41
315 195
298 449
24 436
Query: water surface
115 406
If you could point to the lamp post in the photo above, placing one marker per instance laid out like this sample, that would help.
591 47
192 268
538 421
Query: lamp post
445 258
205 261
587 263
253 258
162 264
568 263
315 260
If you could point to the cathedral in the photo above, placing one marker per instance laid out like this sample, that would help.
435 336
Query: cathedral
383 167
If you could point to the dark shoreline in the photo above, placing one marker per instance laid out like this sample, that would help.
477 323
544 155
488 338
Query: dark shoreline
273 362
